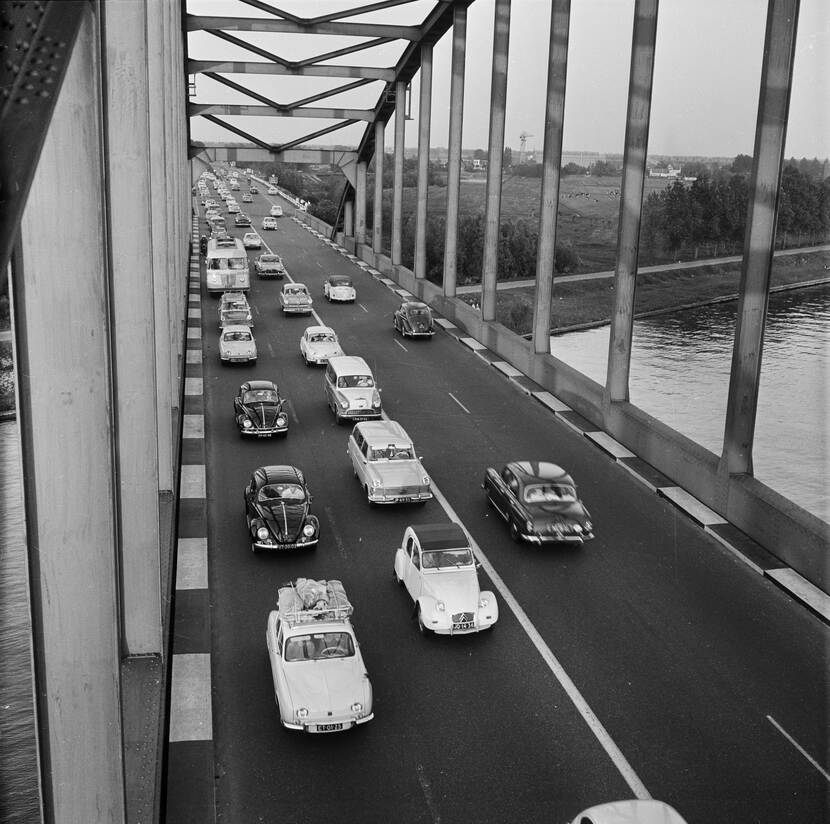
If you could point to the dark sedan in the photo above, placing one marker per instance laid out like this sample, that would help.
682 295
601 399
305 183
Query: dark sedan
259 410
539 502
241 220
414 319
277 501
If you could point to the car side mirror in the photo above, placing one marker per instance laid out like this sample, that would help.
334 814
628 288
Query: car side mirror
478 564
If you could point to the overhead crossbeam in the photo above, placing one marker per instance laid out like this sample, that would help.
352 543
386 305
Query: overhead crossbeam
241 67
297 26
195 109
325 18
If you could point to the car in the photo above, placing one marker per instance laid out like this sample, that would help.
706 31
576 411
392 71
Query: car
539 502
385 464
272 190
241 220
254 190
276 211
235 316
320 679
269 266
251 240
277 502
436 566
318 344
414 319
234 208
295 299
339 287
233 299
350 389
211 213
630 812
259 410
237 345
269 223
246 198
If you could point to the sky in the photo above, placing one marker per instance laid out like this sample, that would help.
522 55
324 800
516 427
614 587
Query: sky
706 79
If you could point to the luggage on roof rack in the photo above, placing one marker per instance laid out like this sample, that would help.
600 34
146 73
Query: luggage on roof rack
306 600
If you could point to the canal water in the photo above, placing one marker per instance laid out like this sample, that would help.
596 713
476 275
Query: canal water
679 373
680 364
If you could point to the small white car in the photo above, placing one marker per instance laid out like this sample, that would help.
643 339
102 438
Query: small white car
320 679
236 300
436 566
295 299
272 190
385 464
318 344
234 208
276 211
269 266
350 389
235 316
246 198
630 812
251 240
340 288
269 223
237 345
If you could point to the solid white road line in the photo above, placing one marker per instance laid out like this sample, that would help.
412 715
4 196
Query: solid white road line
594 724
799 747
401 345
459 403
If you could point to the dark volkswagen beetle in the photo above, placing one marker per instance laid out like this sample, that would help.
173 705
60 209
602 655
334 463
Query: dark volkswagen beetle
414 319
259 410
276 509
539 502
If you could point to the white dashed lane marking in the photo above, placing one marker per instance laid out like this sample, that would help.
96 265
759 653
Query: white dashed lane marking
459 403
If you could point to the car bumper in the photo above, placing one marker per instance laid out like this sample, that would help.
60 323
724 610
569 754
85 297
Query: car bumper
342 298
379 497
314 727
360 414
558 538
272 275
237 358
266 432
410 334
297 310
293 545
446 628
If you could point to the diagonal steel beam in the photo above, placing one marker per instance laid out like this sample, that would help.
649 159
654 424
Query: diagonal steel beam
314 135
309 61
330 93
229 38
238 131
239 88
340 15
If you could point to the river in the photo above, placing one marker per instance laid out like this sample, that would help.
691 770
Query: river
680 365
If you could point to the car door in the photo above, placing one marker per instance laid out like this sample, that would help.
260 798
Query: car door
412 568
497 489
355 452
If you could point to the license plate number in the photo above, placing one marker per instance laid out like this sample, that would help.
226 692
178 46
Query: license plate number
405 499
329 727
463 625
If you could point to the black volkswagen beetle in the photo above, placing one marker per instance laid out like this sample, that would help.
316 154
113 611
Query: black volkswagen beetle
259 410
276 509
539 502
414 319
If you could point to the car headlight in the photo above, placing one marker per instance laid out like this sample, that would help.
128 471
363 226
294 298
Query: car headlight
376 398
308 530
247 423
588 526
425 479
440 606
357 707
280 421
375 483
344 404
482 602
302 712
262 533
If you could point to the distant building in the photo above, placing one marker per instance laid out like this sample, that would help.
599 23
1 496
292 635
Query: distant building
479 165
665 171
585 159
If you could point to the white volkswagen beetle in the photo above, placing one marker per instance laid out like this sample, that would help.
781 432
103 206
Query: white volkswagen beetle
436 566
318 344
339 288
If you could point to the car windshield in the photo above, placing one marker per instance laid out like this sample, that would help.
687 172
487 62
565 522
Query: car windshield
269 259
444 558
319 646
281 492
295 290
549 493
243 336
355 381
260 396
393 453
322 337
340 281
234 315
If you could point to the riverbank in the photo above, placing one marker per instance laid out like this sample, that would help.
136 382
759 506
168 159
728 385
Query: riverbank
586 303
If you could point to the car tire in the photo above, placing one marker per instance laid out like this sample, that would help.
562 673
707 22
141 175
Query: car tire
514 531
254 548
366 490
422 627
398 581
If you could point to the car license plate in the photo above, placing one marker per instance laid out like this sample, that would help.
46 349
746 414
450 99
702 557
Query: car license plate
404 499
463 625
329 727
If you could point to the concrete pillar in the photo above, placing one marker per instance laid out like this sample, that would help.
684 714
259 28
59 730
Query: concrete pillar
495 157
759 244
424 113
360 204
397 191
127 130
560 18
631 197
61 295
459 45
348 219
377 206
159 249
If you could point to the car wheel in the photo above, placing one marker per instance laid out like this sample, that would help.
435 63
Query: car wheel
254 548
422 627
366 490
398 581
514 531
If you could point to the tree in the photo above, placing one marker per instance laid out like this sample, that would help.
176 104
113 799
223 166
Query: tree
507 160
742 164
573 169
479 154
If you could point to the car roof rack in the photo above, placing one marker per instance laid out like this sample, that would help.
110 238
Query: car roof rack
305 601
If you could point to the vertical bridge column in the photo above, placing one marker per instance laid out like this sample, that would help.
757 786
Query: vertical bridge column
768 159
459 44
127 131
348 220
631 197
560 17
495 157
397 191
424 113
377 203
360 206
66 419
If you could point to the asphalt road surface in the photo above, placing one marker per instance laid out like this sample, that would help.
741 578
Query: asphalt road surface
649 662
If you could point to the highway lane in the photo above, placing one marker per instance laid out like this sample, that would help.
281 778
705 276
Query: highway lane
680 650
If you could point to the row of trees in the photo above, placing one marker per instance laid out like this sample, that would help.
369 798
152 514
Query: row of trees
711 213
